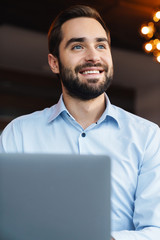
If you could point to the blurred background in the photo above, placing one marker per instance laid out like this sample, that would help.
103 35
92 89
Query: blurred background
26 82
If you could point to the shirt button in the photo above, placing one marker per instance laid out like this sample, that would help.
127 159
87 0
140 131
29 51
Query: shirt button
83 134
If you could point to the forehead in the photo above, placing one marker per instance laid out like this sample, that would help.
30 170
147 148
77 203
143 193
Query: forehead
82 27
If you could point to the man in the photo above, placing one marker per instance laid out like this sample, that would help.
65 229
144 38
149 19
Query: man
85 122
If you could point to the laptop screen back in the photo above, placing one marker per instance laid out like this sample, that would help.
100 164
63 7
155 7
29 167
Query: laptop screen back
60 197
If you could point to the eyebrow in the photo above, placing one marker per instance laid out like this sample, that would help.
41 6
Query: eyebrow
83 39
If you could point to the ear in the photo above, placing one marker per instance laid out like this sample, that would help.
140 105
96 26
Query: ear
53 63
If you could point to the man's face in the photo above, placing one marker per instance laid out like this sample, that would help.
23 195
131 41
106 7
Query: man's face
85 62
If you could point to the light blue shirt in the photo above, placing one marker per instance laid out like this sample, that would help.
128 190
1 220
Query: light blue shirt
133 144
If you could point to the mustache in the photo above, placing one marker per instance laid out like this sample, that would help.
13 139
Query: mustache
80 67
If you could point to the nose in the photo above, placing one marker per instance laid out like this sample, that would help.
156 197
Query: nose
92 55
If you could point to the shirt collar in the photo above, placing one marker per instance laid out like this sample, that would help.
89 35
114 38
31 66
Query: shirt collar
110 111
57 109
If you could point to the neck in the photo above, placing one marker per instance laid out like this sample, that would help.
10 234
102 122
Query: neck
85 112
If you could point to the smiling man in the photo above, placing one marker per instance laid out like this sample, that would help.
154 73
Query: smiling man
85 68
85 122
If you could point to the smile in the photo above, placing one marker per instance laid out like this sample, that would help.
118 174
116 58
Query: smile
86 72
91 72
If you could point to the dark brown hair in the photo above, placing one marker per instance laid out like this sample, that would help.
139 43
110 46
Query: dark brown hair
76 11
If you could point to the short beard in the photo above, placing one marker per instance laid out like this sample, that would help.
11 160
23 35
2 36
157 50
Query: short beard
80 90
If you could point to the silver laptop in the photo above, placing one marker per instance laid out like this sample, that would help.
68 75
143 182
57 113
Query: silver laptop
54 197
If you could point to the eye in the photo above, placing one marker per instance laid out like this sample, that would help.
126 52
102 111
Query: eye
77 47
101 46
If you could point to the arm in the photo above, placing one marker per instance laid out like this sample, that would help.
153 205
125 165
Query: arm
146 217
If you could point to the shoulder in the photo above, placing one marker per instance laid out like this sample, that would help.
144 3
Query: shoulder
34 119
126 118
24 128
137 129
143 134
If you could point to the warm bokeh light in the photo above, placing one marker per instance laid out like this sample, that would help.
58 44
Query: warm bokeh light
158 45
151 32
158 14
156 17
158 58
145 30
148 30
148 47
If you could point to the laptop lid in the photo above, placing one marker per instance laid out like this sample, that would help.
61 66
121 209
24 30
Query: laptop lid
60 197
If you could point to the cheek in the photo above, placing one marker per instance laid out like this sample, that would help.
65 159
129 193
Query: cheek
69 58
108 60
66 60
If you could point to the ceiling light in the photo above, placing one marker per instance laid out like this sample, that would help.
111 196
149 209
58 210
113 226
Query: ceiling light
158 45
148 47
145 30
151 32
156 16
158 58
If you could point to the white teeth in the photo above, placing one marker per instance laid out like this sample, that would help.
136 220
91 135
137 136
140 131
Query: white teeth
89 72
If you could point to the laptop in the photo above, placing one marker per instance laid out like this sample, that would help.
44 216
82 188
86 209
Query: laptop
54 197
